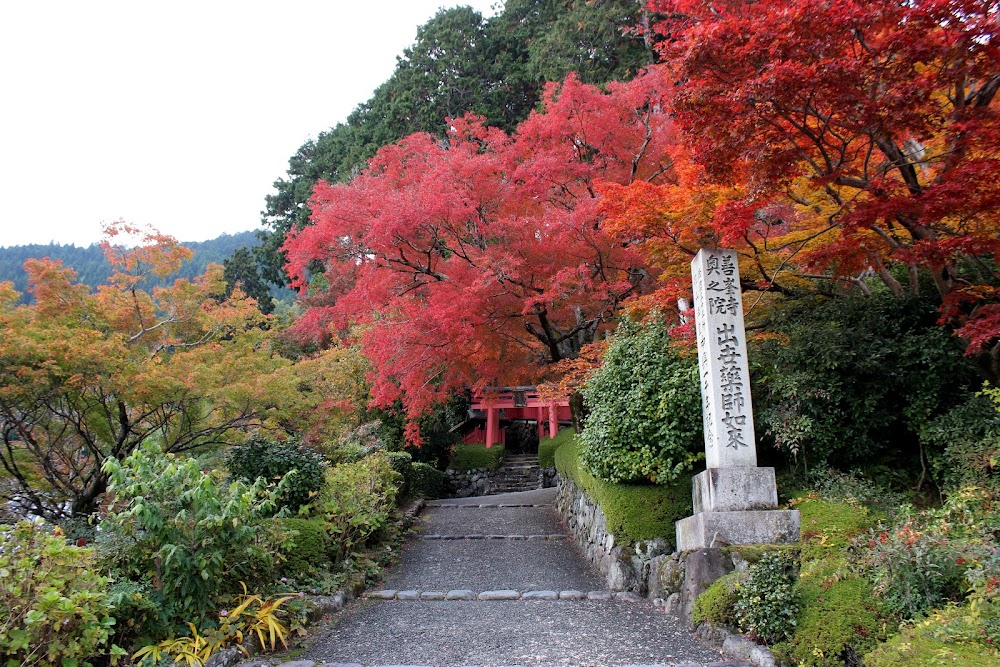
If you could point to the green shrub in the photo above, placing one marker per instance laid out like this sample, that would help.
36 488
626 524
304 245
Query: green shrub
968 439
968 633
402 463
428 481
178 527
548 446
645 409
356 502
634 512
306 546
55 606
474 457
717 603
137 614
273 461
853 381
920 563
766 603
934 642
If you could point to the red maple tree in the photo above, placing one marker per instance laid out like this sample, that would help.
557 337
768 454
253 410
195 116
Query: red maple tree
480 260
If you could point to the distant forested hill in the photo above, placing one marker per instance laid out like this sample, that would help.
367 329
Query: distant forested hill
92 269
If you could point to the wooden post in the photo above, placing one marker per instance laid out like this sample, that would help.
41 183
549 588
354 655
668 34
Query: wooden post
541 422
492 424
553 420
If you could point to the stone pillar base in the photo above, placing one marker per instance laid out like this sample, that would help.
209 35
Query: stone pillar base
718 529
734 490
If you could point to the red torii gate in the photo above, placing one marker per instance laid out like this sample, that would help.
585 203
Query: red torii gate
519 403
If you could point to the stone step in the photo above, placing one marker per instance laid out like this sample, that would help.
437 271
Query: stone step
500 595
309 663
512 488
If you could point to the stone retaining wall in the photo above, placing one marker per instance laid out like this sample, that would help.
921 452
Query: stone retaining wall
467 483
626 567
671 580
547 478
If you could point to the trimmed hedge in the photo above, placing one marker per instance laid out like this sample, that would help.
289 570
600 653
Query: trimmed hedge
548 446
428 481
473 457
635 512
307 550
402 462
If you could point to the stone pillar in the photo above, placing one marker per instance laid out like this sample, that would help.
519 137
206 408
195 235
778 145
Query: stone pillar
734 500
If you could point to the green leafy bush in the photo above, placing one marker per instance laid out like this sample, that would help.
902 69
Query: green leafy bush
717 603
428 481
356 502
305 546
966 634
134 607
180 528
933 643
402 463
853 381
55 606
249 617
634 512
766 603
274 461
967 442
548 446
645 409
920 563
474 457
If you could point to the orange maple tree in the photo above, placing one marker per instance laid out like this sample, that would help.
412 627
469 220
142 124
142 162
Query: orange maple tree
854 139
86 376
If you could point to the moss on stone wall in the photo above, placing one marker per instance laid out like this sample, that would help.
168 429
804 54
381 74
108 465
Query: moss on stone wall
634 512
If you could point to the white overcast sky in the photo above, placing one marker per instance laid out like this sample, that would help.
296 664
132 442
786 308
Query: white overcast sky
177 114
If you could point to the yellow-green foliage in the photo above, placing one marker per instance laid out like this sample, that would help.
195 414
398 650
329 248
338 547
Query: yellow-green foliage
55 607
829 525
840 618
473 457
357 501
716 603
634 512
548 446
948 637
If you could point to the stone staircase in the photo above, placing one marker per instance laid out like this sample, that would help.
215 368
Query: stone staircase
498 582
517 473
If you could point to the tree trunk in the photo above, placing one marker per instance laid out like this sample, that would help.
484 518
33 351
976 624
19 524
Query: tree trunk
577 410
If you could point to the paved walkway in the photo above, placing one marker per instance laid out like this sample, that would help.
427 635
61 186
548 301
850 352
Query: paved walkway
496 581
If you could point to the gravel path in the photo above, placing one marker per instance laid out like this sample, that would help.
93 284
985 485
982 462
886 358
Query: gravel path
512 548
